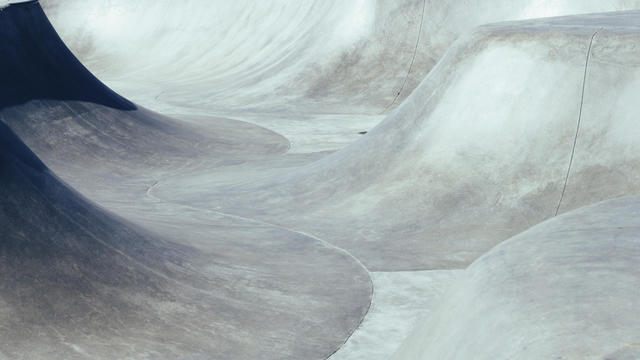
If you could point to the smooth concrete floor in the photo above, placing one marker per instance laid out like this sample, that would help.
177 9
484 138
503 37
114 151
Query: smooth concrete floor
400 300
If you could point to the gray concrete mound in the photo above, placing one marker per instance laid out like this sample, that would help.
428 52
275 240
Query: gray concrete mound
568 288
317 72
504 132
263 167
81 283
276 57
75 277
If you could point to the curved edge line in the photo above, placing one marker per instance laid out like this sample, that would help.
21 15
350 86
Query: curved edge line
413 60
325 243
575 139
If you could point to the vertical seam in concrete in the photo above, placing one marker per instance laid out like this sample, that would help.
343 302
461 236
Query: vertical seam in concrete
575 139
413 60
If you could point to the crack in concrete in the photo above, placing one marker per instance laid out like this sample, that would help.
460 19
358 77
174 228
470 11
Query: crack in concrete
413 60
575 139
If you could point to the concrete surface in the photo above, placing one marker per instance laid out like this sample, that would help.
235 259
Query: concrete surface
287 65
80 283
568 288
307 154
303 56
448 174
400 300
5 3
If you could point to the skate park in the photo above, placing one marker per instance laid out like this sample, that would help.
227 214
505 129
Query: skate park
319 179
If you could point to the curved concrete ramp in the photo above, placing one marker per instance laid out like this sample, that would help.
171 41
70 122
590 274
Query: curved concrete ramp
247 56
478 153
606 154
568 288
280 56
81 283
237 225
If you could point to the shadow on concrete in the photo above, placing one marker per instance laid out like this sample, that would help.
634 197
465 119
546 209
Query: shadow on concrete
35 64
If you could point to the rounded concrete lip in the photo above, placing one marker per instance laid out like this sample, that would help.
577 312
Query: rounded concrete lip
9 2
6 3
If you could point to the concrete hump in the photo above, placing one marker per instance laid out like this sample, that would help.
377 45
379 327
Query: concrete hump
519 121
79 281
306 144
303 57
565 289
